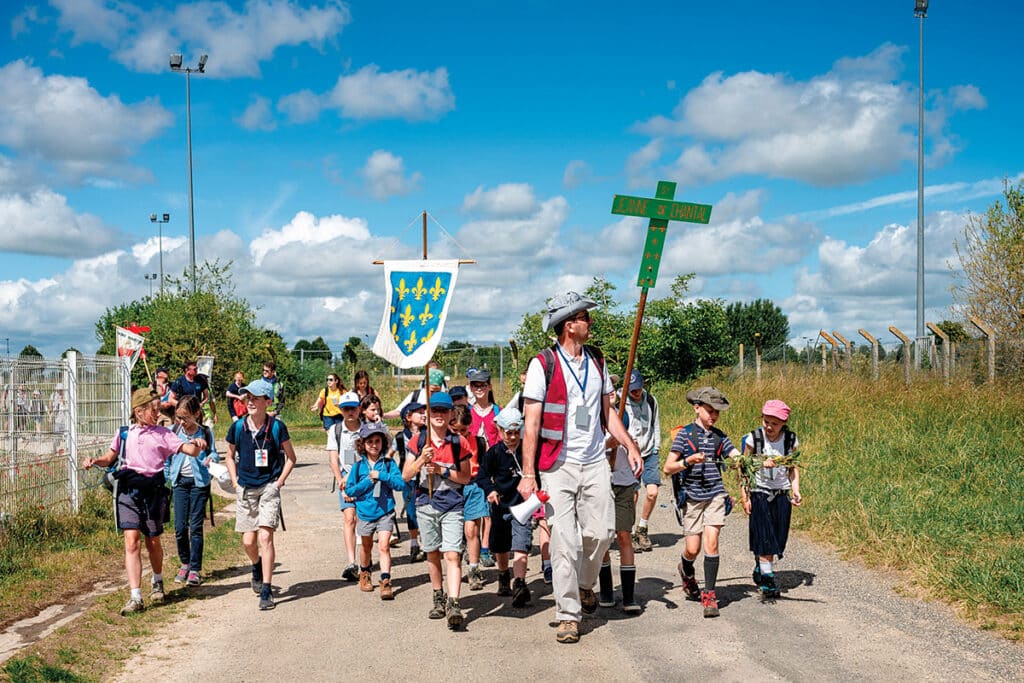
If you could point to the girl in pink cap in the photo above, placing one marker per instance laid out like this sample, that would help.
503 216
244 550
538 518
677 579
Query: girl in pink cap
769 497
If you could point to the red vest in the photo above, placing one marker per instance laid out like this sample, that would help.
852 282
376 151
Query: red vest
490 429
552 420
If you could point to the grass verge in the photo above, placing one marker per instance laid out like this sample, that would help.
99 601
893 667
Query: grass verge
925 480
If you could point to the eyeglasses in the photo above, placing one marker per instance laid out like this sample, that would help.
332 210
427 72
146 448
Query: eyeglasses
584 317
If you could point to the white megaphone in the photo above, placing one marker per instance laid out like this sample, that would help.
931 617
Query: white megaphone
523 511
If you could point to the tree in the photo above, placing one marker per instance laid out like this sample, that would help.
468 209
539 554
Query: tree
213 321
991 254
30 352
760 316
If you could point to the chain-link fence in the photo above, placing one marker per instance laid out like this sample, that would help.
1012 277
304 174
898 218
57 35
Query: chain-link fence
55 412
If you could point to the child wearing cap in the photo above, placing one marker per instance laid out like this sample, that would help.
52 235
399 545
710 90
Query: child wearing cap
499 476
484 412
371 483
767 498
624 487
140 497
260 459
440 469
697 456
475 510
341 456
414 419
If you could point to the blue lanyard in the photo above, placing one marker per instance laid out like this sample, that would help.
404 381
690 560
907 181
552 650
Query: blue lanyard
586 369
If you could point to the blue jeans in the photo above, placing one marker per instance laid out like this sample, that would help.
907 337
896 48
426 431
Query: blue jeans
189 514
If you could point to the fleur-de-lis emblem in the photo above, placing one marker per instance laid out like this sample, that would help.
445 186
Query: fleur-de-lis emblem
394 328
437 291
419 290
407 317
426 316
402 289
430 335
411 341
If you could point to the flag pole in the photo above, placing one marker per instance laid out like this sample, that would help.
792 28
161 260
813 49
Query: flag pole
426 374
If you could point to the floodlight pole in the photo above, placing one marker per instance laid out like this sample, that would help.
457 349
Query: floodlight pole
160 241
921 12
200 68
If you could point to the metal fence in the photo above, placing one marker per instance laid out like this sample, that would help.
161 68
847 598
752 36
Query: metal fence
54 413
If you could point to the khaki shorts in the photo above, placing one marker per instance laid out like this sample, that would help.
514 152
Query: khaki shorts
702 514
257 506
625 506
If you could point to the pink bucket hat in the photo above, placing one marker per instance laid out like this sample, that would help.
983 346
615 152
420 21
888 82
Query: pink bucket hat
776 408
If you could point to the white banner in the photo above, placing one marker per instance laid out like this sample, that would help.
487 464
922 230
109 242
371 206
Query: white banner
129 346
415 310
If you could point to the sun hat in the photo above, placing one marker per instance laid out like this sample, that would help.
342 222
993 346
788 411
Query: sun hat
436 377
709 396
368 429
776 408
141 397
636 381
564 306
441 399
509 418
259 387
349 399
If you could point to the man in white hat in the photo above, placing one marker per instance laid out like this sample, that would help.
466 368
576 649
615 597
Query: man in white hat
567 412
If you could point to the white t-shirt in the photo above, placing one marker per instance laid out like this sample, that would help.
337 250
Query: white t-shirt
347 454
580 445
772 478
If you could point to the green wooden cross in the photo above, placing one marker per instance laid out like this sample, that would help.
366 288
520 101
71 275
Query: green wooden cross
660 210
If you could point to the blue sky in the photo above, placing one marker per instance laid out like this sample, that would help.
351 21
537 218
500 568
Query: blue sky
321 130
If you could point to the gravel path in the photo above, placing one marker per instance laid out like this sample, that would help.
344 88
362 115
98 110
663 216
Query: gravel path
835 621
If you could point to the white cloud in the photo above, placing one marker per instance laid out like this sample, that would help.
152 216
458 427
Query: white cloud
43 223
22 21
407 94
301 107
507 200
577 172
385 177
237 41
307 230
63 120
257 116
844 126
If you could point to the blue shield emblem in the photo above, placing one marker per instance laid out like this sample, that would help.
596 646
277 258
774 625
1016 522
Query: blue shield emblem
417 307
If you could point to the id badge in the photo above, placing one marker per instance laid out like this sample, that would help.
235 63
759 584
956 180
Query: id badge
262 460
349 457
376 489
582 418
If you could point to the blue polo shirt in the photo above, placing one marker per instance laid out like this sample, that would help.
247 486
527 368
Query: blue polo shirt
246 443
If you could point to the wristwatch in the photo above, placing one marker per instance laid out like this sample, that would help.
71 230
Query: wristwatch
446 473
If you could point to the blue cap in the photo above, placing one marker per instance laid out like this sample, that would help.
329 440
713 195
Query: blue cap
411 408
509 418
368 429
441 399
349 399
458 392
635 380
259 387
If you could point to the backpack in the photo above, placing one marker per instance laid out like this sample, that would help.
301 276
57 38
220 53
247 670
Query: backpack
108 475
788 440
274 430
678 490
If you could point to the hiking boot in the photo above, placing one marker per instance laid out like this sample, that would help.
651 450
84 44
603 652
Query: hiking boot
547 575
505 583
157 594
386 591
267 599
487 559
437 611
415 554
690 587
182 574
588 600
710 602
476 579
769 589
193 579
631 606
365 582
643 539
568 632
454 614
132 606
350 573
756 576
520 593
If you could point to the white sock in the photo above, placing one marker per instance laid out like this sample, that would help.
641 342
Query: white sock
414 543
642 523
765 566
473 566
136 593
158 577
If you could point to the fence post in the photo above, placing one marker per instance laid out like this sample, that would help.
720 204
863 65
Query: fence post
835 347
848 350
741 359
501 367
70 371
824 362
937 331
874 352
990 346
757 356
906 352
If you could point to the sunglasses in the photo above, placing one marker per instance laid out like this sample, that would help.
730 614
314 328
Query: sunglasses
478 385
584 316
331 379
